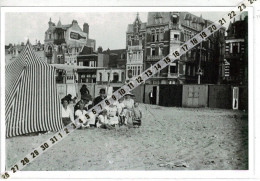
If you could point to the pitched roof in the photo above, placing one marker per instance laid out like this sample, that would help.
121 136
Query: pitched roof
166 17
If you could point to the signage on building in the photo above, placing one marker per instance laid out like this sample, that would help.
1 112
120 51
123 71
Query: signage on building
77 36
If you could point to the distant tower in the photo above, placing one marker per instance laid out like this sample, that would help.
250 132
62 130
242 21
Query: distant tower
59 24
50 23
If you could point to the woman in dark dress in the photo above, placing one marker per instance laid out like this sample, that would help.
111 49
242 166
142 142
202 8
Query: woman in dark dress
84 90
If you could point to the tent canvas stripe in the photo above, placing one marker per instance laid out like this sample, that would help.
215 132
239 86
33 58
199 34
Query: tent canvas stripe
32 103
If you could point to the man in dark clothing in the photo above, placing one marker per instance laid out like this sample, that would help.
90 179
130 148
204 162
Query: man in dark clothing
98 99
101 97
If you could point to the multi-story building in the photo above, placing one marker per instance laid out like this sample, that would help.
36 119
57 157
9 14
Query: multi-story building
114 63
87 57
64 44
236 54
135 46
166 31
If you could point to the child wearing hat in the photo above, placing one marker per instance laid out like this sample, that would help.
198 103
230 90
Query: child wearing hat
127 110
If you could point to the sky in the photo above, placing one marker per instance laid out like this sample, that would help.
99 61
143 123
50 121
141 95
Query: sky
107 28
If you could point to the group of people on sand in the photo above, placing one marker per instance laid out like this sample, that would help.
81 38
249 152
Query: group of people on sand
125 111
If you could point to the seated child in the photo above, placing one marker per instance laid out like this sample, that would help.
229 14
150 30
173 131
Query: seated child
103 121
112 114
80 115
137 115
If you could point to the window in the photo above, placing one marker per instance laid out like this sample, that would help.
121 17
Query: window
157 37
173 69
153 51
108 76
230 48
184 68
171 35
49 35
160 50
176 37
115 77
235 48
49 49
153 36
59 49
59 60
188 69
100 76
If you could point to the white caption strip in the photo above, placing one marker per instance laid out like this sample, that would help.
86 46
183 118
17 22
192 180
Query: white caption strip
194 41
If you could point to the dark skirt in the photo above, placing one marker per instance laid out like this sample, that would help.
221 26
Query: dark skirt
66 121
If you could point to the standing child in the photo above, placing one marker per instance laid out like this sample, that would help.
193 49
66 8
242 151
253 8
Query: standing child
137 115
121 115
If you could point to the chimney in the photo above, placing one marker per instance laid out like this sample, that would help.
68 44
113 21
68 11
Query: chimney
86 28
100 49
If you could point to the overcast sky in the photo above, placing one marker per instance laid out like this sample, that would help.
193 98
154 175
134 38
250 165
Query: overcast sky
108 29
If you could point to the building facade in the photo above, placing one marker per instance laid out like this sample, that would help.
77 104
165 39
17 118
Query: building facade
66 44
87 57
135 47
236 53
114 63
166 31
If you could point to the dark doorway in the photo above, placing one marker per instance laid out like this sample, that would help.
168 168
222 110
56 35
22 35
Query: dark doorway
154 95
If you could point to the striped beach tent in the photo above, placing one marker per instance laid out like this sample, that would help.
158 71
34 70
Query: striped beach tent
31 99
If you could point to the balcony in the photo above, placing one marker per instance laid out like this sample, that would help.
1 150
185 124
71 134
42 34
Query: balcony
59 41
154 57
172 75
137 47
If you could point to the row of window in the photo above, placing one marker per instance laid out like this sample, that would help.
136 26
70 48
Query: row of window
193 24
135 56
59 35
153 52
115 76
88 63
233 47
136 70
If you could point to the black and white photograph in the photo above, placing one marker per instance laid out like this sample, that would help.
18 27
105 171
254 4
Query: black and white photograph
191 115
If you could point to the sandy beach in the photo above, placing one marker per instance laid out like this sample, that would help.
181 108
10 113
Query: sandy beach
170 138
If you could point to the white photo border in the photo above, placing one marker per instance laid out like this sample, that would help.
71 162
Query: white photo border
136 174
